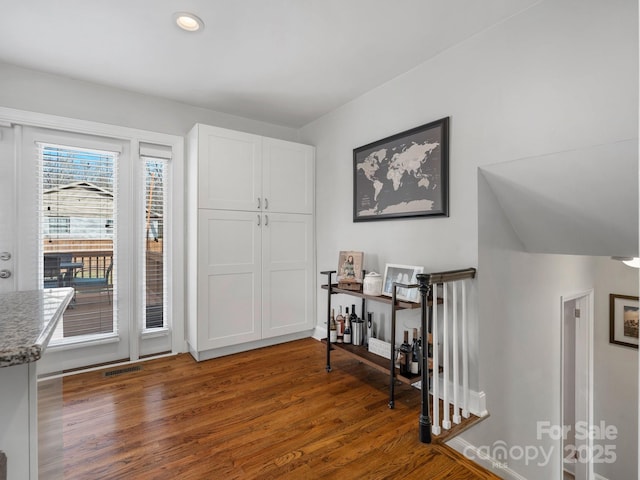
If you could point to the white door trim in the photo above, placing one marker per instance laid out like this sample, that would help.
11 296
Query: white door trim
585 301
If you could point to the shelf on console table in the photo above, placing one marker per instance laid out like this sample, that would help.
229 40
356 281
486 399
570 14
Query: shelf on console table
400 305
362 354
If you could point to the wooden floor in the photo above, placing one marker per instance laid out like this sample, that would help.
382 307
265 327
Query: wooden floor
272 413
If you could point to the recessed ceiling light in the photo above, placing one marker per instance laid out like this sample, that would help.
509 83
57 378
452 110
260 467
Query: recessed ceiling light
188 21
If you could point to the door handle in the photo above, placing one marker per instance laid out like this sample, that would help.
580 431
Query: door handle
258 203
258 219
266 203
266 220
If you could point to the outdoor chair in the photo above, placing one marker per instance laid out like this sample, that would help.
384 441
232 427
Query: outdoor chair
52 274
94 284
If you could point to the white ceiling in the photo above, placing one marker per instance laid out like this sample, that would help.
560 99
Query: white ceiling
582 202
286 62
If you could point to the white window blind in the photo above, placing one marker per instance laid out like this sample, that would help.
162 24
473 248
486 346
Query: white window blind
77 217
154 242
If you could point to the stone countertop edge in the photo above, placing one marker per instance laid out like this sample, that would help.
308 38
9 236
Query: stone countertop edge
34 340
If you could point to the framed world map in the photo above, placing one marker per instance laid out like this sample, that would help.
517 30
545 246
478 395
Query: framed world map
404 175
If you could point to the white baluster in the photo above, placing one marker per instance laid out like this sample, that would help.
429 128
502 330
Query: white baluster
454 336
465 354
435 410
446 417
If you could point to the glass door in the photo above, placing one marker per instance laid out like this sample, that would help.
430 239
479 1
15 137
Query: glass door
7 210
73 207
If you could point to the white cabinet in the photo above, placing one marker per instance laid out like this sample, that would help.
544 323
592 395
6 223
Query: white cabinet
287 274
250 241
229 168
287 176
229 279
240 171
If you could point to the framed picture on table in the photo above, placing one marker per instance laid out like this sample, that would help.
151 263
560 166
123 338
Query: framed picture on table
405 274
350 267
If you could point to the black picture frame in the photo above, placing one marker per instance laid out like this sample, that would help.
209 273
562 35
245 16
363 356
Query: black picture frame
623 320
405 175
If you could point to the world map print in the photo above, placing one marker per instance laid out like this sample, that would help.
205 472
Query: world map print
400 178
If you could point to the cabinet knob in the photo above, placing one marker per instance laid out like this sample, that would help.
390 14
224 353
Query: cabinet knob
5 256
5 273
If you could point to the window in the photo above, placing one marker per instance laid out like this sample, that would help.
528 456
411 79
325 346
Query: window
59 225
77 218
154 247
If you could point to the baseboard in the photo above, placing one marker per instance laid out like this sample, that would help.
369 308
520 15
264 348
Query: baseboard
244 347
320 332
494 465
481 458
477 400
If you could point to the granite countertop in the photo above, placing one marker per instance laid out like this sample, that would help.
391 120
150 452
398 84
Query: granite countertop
27 321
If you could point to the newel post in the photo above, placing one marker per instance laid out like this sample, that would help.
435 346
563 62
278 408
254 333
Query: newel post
425 416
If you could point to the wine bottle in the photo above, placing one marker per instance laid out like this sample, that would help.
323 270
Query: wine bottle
333 331
340 326
353 314
405 355
353 319
415 354
347 327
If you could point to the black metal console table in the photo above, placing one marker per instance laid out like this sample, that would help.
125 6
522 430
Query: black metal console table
361 352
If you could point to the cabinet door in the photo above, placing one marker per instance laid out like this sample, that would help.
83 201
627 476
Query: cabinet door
288 172
287 287
229 169
229 271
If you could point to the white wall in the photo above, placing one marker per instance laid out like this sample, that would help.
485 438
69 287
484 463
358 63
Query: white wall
40 92
520 353
520 299
560 76
615 372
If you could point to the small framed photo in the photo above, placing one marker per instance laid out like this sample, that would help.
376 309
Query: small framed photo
623 320
402 274
350 267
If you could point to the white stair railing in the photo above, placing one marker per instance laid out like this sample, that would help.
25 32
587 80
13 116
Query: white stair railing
453 323
446 422
435 351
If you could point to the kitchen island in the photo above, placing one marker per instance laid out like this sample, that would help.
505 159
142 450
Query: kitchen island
27 322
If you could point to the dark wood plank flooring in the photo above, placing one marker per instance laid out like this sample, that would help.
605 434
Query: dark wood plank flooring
272 413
